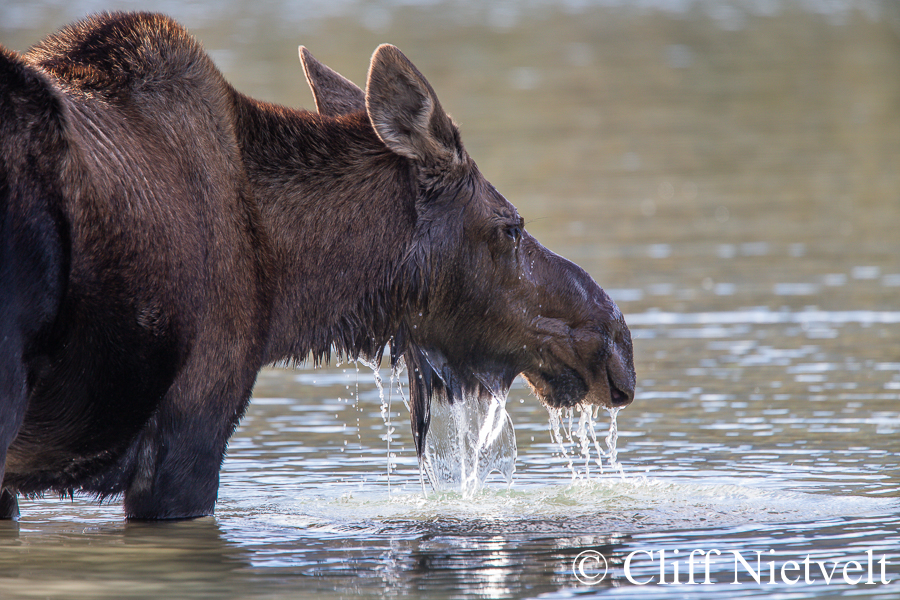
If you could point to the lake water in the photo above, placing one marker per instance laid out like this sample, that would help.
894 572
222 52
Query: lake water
729 172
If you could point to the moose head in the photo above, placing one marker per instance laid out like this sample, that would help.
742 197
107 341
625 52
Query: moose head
485 300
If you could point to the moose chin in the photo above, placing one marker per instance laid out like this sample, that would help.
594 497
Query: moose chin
163 237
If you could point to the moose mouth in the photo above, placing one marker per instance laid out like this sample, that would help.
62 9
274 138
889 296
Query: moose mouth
607 380
568 388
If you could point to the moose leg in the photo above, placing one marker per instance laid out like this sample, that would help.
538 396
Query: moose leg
9 506
13 400
176 470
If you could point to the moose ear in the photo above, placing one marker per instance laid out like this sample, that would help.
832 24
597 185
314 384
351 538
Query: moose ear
405 112
334 94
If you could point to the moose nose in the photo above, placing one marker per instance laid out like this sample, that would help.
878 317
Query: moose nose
619 395
620 373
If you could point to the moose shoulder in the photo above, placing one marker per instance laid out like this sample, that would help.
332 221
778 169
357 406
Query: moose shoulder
163 237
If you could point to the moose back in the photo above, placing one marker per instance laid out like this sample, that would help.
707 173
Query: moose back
163 237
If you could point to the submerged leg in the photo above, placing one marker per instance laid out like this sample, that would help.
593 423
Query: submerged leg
176 471
177 475
9 506
13 400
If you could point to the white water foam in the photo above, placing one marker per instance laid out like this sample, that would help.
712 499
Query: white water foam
633 504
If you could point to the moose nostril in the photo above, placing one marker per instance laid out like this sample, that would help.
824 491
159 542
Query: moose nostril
618 397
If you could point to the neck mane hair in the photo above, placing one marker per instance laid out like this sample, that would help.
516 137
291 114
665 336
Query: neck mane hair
325 188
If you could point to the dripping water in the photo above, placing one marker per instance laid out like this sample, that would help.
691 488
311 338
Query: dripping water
385 403
473 437
612 439
563 434
468 440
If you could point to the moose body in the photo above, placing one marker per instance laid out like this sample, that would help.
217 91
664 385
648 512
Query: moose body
163 237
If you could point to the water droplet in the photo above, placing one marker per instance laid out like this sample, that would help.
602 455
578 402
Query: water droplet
375 365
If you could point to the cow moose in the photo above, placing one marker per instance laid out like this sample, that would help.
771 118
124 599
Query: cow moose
163 237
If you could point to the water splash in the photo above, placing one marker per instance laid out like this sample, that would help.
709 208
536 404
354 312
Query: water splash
586 434
469 439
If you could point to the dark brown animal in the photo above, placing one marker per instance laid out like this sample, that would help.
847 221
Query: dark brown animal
163 237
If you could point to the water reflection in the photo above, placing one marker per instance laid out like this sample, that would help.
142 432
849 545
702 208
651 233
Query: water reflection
76 557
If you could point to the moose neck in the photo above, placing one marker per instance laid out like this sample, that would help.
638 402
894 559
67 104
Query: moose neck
338 210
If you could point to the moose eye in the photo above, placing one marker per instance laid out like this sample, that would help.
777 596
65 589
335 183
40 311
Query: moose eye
514 232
